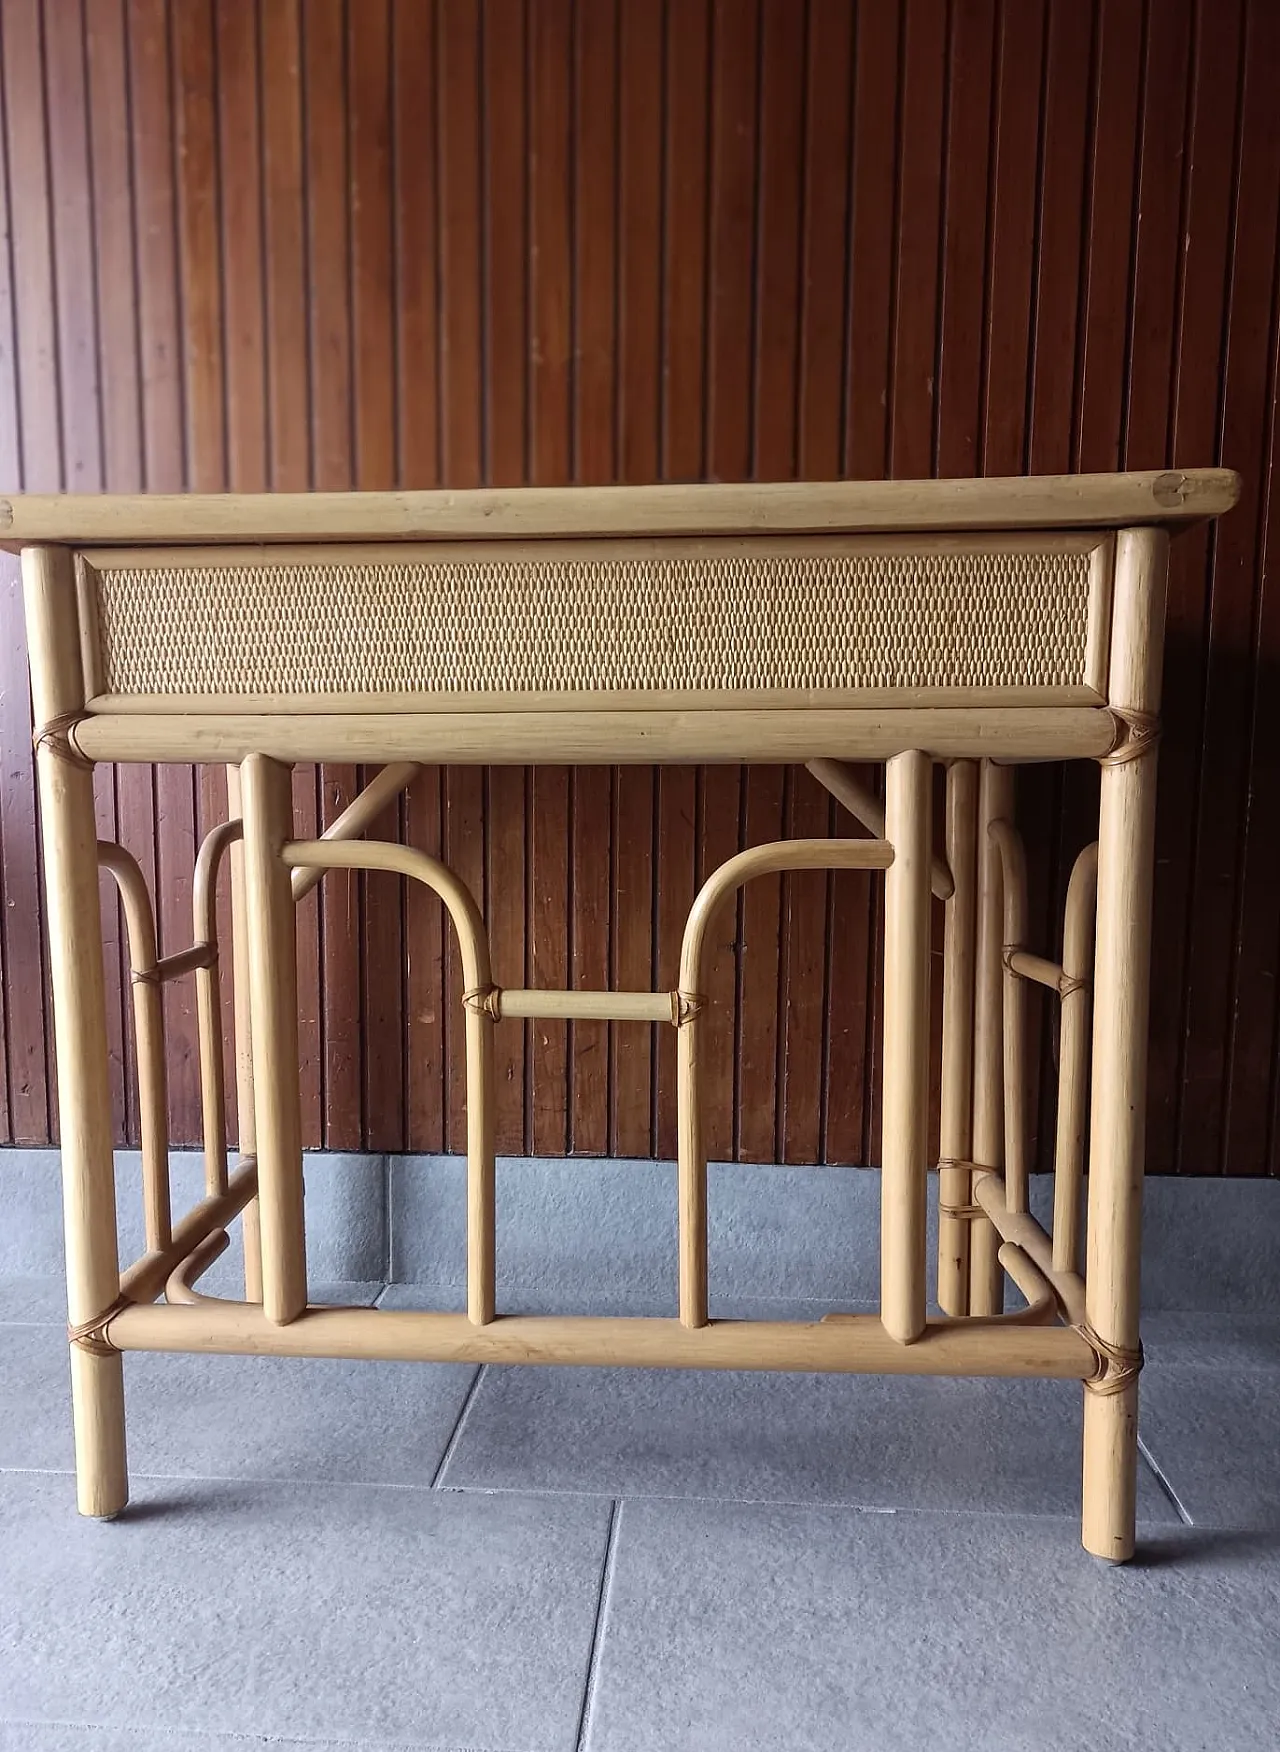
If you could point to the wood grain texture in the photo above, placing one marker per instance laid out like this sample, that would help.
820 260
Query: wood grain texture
505 243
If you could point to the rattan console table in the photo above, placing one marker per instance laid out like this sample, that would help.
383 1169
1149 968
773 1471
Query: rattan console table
974 624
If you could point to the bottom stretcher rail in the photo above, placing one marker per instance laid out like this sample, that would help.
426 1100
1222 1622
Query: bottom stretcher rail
850 1345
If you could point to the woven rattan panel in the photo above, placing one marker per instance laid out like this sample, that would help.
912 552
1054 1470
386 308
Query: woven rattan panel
747 617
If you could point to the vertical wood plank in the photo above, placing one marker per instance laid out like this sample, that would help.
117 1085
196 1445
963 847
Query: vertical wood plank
376 378
415 113
288 426
550 390
1224 780
36 426
506 240
329 325
633 891
639 223
1208 203
684 286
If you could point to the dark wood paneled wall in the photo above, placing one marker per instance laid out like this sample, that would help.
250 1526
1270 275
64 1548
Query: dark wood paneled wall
309 243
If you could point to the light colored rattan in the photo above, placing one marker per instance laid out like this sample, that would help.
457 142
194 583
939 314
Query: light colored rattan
732 617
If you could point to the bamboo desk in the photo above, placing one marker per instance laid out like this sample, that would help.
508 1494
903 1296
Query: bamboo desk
969 623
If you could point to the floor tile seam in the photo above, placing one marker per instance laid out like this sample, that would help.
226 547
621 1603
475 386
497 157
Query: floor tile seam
825 1504
140 1475
259 1737
455 1435
1164 1483
591 1678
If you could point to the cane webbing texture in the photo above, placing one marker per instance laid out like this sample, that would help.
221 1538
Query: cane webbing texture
764 616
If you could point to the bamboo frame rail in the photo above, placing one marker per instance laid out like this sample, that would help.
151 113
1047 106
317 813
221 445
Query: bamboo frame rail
582 738
855 1345
1058 660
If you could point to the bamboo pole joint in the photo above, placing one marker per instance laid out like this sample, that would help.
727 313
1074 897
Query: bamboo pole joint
57 735
1136 733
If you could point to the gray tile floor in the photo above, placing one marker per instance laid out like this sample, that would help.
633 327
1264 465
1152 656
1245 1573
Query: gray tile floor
378 1556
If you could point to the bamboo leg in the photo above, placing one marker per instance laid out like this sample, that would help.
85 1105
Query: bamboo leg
246 1122
273 990
906 1046
80 1024
957 1037
692 1168
481 1250
1073 1075
995 803
1126 839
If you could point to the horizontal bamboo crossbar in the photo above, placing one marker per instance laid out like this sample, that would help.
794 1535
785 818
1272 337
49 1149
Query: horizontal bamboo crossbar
181 963
587 1006
1036 968
859 1345
638 737
1044 501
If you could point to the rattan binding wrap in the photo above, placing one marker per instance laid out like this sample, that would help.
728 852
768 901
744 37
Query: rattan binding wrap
737 617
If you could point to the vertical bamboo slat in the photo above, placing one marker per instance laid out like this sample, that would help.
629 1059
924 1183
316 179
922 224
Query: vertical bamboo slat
995 803
956 1135
246 1118
1013 885
267 801
1073 1054
908 804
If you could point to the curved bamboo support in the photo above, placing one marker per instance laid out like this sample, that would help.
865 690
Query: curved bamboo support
692 1155
148 1025
1013 886
765 860
840 778
213 1076
1073 1057
473 945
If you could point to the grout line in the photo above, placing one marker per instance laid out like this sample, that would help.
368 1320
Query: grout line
597 1629
456 1437
1167 1489
256 1737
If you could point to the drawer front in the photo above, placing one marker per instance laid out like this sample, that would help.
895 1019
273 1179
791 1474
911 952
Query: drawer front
765 620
